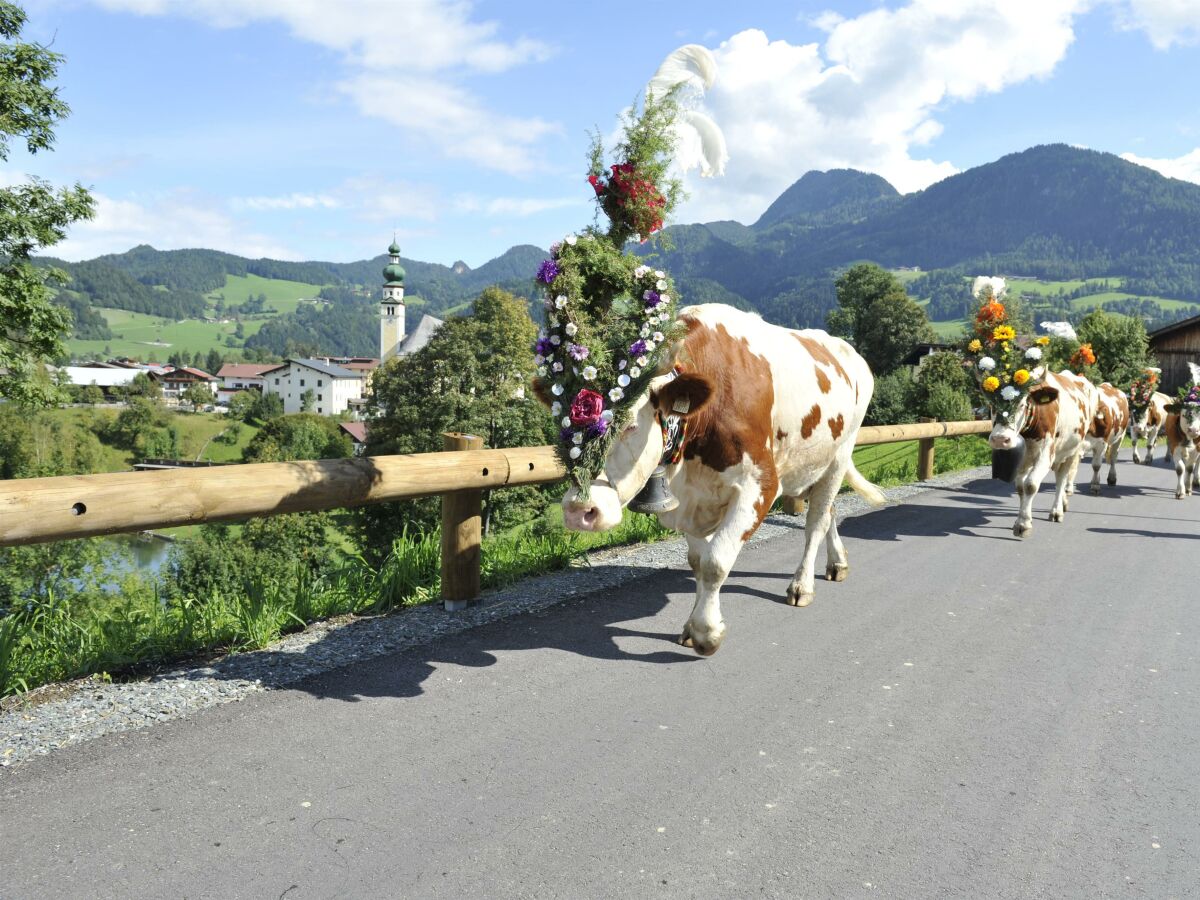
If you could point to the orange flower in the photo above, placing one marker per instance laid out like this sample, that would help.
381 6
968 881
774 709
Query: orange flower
1084 356
1020 377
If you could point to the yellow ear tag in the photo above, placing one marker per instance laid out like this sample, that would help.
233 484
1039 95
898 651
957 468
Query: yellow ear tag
682 405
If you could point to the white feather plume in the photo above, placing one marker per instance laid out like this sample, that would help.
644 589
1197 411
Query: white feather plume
998 285
1060 329
1195 370
699 140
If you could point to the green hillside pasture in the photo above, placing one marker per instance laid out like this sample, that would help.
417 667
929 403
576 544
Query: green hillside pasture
1050 289
949 329
1113 296
141 336
283 296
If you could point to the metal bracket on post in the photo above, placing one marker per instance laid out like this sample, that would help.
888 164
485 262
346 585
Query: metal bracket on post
462 514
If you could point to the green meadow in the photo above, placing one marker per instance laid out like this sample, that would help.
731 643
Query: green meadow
282 296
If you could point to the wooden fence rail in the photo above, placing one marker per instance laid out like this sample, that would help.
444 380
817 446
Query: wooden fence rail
36 510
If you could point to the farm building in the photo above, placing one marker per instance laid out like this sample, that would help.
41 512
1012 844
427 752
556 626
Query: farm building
1175 346
333 388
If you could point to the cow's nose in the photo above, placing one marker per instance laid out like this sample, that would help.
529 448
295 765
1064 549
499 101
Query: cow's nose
581 518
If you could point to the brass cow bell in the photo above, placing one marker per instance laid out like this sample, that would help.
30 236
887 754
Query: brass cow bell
656 496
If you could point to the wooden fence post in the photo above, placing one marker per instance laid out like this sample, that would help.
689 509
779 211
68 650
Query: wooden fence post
461 541
925 455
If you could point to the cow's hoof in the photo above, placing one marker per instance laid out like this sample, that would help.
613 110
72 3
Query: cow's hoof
837 572
1179 495
704 646
1022 531
1112 480
1095 489
1057 515
797 597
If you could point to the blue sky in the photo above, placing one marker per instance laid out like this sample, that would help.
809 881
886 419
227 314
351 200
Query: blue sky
313 129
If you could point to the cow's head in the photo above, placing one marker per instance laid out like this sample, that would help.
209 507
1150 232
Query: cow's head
635 452
1189 421
1032 414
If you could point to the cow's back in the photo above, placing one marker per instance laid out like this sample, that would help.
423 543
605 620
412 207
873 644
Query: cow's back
1112 413
1077 402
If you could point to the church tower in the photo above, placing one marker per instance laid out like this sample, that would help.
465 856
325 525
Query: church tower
391 307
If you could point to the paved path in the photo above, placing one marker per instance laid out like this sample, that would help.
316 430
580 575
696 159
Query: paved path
967 716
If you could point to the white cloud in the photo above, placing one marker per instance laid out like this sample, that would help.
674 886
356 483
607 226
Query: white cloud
285 202
171 221
1166 22
515 207
1186 167
869 95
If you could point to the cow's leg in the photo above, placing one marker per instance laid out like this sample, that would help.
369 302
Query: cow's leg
816 526
837 564
1063 476
1028 484
1097 461
1151 441
711 559
1134 435
1113 449
1181 472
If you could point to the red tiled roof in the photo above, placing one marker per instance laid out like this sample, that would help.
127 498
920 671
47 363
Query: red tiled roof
245 370
356 430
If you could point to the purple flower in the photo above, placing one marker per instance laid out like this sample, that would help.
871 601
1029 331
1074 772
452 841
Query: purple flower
544 347
566 434
578 351
547 271
599 428
652 299
637 348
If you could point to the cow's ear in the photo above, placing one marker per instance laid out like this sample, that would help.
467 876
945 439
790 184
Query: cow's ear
685 395
541 391
1043 394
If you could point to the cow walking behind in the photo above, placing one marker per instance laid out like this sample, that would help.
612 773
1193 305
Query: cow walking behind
1107 431
1146 422
1053 419
1183 447
769 412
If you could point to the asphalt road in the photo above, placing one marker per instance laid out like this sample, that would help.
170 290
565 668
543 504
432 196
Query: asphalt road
967 716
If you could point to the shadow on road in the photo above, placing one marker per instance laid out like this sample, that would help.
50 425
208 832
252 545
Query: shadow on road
1141 532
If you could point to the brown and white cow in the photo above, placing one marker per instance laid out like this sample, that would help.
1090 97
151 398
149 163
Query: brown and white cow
1183 448
1107 431
770 412
1148 421
1052 419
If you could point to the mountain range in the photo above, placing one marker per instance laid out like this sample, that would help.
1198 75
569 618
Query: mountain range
1052 211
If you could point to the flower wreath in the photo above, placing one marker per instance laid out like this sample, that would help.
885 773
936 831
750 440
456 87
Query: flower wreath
1189 396
1005 371
610 318
1142 390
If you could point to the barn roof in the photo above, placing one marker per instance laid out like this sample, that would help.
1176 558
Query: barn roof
1175 326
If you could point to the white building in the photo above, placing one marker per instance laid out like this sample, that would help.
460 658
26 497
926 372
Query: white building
333 387
236 377
391 307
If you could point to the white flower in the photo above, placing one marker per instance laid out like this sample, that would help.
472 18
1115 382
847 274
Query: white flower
987 364
664 298
658 337
577 437
555 408
571 239
575 453
661 284
642 361
621 365
570 329
650 345
645 332
566 421
616 394
555 340
589 372
635 372
1033 353
557 367
659 273
607 415
542 370
623 380
556 390
538 359
641 271
1009 392
560 301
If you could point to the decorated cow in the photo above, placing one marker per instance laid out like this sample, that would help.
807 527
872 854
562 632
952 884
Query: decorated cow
704 416
1183 436
1039 417
1107 431
1147 413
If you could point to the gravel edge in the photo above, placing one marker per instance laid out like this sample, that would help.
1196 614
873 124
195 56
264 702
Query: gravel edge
90 709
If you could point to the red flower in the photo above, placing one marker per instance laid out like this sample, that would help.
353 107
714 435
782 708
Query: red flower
586 407
598 185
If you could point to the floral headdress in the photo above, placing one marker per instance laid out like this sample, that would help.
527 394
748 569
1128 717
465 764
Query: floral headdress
610 319
1005 371
1189 396
1143 388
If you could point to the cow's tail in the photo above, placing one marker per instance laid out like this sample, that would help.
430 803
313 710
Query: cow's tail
864 488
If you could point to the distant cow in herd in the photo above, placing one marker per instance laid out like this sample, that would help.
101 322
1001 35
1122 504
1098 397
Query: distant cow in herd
770 412
1146 423
1107 431
1183 448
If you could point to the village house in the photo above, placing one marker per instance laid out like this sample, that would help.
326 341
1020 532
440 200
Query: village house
334 388
357 432
175 380
237 377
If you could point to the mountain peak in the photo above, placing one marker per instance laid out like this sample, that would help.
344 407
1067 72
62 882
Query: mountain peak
838 195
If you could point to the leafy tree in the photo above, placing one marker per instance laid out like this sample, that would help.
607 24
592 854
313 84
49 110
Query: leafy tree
1120 344
298 436
944 389
308 401
255 407
91 395
876 314
198 395
134 421
470 377
144 386
213 362
894 401
35 215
